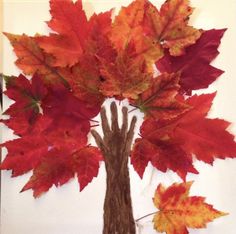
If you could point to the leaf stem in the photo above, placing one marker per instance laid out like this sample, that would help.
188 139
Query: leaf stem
145 216
93 120
133 109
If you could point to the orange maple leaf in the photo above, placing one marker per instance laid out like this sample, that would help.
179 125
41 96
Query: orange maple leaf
32 59
170 25
126 23
127 33
177 210
125 77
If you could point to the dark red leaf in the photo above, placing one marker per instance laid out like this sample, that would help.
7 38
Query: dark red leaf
194 65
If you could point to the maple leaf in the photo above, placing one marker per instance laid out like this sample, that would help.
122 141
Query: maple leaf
125 77
72 25
27 95
159 100
178 211
55 149
63 48
162 155
61 101
86 164
24 154
169 26
98 42
64 120
127 34
208 139
77 35
194 65
83 77
32 59
59 166
85 80
48 134
126 23
71 21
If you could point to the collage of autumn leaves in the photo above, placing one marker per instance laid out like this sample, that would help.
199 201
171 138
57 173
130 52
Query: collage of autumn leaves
118 117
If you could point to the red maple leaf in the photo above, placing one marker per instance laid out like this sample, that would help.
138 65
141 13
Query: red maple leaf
194 65
55 118
159 100
61 101
76 34
207 139
162 155
24 154
49 134
57 167
72 25
27 96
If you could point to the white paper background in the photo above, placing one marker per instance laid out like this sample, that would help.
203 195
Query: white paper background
67 211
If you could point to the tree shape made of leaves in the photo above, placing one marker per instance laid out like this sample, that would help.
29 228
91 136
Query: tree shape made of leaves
155 60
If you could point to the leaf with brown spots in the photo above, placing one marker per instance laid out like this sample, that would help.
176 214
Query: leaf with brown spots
169 26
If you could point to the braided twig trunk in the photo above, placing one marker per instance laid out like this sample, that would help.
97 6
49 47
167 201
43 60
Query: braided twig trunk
115 146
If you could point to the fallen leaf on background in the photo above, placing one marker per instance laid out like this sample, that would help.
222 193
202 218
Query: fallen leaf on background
179 211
